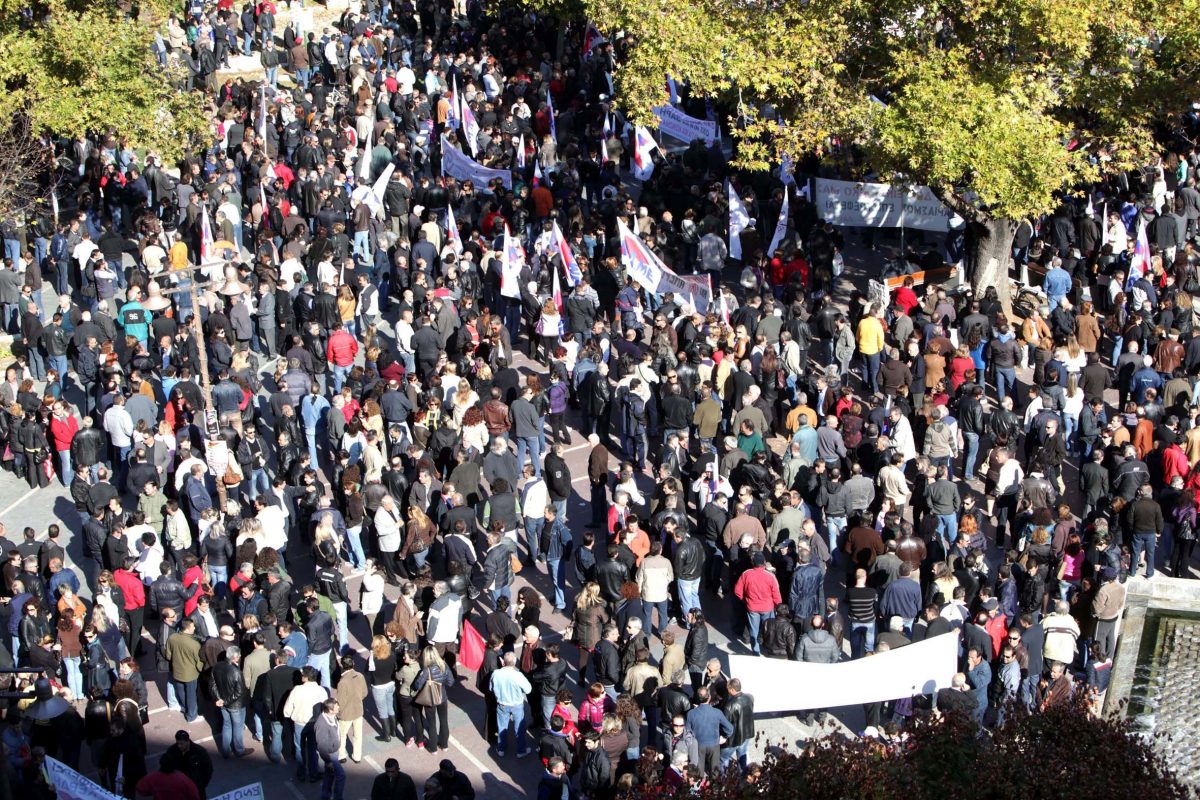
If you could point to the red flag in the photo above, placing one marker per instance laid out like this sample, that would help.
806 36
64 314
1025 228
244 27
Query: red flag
472 647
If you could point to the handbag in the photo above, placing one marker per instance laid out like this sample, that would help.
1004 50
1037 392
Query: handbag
230 478
431 693
515 561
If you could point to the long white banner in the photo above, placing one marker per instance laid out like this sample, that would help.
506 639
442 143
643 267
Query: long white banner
679 125
779 685
882 205
459 165
648 270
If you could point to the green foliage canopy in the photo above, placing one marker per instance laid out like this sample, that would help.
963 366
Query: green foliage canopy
996 104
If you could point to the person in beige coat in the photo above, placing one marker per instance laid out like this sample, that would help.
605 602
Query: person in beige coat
350 693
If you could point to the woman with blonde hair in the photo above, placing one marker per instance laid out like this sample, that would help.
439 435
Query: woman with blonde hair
587 621
326 542
465 398
437 726
381 669
549 328
419 535
372 418
347 305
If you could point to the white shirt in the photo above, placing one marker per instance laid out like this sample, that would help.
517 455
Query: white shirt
406 80
274 525
119 426
83 251
534 497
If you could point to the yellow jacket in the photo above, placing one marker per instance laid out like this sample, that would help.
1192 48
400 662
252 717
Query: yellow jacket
870 335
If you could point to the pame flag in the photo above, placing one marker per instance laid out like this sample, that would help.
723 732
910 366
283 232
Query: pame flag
574 274
1139 265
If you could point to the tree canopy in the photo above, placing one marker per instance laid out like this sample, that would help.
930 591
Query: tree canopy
68 67
998 105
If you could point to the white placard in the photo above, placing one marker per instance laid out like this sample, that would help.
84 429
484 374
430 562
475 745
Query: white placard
779 685
459 165
882 205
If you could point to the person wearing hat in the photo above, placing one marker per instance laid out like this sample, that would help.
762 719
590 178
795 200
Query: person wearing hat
185 758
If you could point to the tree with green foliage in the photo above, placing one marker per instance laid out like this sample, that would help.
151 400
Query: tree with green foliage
999 106
70 68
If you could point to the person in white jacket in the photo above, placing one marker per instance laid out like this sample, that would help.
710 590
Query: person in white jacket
654 579
387 535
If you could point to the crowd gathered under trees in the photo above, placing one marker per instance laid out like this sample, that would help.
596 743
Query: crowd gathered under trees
822 474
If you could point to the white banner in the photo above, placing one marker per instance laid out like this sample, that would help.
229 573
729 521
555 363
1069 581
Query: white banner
881 205
778 685
676 124
459 165
252 792
70 785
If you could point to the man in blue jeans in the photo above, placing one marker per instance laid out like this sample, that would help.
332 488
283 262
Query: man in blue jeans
1146 521
230 695
511 688
327 742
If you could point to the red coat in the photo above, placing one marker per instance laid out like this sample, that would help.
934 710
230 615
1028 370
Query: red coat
133 588
1174 462
341 349
758 589
62 431
906 299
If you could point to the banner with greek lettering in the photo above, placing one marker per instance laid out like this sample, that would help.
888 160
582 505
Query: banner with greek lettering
882 205
252 792
678 125
70 785
460 166
648 270
778 685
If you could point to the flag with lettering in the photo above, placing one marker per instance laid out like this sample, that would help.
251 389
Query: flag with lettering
574 274
1140 264
512 260
470 127
453 237
452 98
550 110
556 288
206 235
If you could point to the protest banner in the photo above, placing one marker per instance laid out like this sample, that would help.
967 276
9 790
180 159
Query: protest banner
252 792
70 785
460 166
678 125
882 205
918 668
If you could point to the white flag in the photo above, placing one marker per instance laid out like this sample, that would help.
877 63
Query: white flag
739 220
470 127
364 163
780 227
454 238
521 153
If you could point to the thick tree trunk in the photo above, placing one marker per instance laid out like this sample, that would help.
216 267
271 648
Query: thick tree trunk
991 257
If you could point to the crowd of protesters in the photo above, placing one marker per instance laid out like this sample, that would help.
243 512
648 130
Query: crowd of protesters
828 473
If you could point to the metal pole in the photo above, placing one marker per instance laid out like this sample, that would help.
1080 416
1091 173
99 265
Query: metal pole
210 412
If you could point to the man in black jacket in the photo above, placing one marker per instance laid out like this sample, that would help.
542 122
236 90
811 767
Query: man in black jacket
695 649
392 784
270 693
191 760
230 695
558 480
606 662
688 563
321 641
167 592
970 422
739 710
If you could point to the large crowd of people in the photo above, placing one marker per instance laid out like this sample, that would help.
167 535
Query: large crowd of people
811 471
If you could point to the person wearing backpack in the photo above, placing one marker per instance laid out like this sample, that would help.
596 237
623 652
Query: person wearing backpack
635 419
